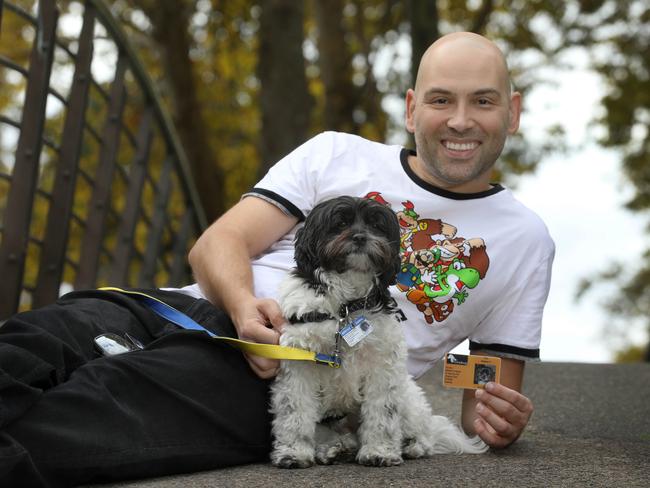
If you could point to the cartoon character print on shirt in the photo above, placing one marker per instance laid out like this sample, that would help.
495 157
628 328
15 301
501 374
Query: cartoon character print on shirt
439 267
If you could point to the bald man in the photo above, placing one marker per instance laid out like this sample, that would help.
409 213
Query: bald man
185 403
461 111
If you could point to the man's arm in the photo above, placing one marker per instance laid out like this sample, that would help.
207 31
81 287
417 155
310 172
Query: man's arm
220 260
498 414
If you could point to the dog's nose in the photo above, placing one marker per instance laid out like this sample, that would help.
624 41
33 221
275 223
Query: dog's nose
359 239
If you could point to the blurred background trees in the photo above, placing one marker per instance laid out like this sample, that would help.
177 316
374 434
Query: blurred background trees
247 81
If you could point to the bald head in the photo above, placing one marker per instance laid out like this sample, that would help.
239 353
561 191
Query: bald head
463 49
461 112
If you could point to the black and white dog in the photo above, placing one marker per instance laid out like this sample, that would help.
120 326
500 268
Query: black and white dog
337 301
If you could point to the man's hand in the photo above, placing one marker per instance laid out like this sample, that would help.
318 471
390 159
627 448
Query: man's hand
260 320
501 415
221 263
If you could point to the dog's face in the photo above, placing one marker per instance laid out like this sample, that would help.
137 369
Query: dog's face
348 233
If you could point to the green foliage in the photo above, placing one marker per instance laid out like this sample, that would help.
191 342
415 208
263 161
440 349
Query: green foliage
368 29
631 354
223 57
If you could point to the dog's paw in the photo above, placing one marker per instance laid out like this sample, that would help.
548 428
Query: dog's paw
415 448
333 454
291 462
378 457
342 451
292 458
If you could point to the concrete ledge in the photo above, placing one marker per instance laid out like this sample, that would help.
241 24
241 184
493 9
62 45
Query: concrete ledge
591 427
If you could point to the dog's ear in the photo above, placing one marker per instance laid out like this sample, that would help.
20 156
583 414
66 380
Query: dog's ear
389 276
306 244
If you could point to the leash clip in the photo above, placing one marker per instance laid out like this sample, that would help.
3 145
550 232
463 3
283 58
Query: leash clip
337 341
331 361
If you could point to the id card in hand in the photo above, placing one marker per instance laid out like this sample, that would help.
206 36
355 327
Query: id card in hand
462 371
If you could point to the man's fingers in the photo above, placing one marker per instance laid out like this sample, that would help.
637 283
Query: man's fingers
512 397
259 333
263 367
488 434
272 312
261 322
502 414
498 425
507 403
503 409
482 427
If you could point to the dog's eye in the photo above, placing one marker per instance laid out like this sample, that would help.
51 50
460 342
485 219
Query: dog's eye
378 224
340 224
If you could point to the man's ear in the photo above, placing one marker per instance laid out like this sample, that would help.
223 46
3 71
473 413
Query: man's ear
410 110
514 112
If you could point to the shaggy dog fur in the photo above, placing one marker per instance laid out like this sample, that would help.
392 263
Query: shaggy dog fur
347 255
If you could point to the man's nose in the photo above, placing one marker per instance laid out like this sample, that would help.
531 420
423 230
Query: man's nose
461 119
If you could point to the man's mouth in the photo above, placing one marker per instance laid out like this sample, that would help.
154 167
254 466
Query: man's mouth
460 146
460 149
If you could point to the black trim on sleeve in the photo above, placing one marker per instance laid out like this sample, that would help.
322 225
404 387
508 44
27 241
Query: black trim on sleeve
516 351
404 158
290 207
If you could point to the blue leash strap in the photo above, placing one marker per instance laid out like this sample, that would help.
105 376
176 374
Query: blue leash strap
271 351
170 313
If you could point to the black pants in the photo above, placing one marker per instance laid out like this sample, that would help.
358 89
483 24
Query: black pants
67 416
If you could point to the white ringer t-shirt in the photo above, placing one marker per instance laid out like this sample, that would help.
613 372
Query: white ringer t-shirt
474 266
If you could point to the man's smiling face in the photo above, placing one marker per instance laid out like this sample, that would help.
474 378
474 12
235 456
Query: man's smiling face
461 113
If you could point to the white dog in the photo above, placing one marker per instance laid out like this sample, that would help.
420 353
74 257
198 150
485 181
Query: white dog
338 302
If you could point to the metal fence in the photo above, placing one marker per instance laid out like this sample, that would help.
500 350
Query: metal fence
94 185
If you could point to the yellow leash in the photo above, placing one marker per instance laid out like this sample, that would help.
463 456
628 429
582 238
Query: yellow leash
270 351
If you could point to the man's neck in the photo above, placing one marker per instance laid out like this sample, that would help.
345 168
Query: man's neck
480 184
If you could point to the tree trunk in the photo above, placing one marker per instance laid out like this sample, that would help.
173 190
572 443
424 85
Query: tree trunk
170 20
335 69
482 16
424 30
285 101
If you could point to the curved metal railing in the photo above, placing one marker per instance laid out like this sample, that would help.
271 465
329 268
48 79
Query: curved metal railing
95 187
